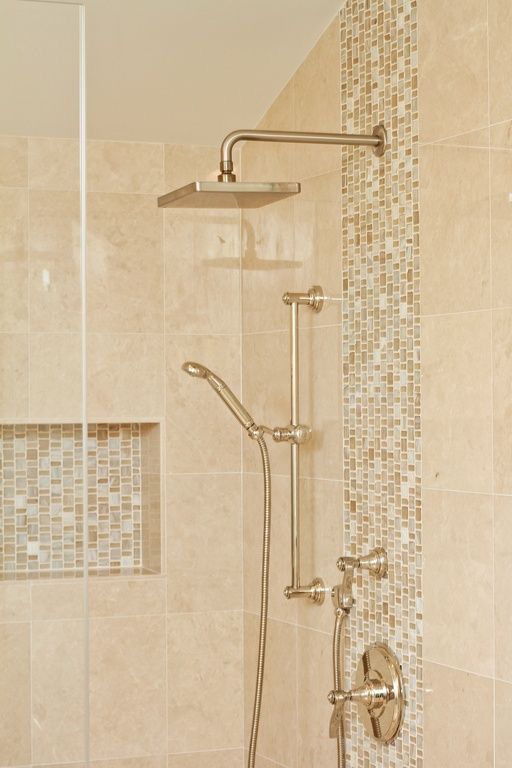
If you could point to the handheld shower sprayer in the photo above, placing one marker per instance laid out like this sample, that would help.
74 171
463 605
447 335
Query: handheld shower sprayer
221 388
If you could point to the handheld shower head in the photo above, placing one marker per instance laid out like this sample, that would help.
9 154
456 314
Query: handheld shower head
221 388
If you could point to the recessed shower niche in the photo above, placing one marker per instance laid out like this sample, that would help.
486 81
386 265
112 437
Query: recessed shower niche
41 499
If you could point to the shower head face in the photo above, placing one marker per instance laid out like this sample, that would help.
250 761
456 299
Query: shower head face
196 370
228 194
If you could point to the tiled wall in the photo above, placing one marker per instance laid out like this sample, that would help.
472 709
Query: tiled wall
162 287
359 378
465 67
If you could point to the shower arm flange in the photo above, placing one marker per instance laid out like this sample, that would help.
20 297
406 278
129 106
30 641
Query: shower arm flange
376 140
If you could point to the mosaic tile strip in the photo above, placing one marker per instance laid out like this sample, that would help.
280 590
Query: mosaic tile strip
41 509
381 374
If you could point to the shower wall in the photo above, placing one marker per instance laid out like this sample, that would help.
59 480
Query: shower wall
465 68
165 647
353 230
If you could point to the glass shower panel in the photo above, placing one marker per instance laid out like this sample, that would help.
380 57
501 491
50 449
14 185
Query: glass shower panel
43 618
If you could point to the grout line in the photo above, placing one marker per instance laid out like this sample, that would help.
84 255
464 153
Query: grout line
463 670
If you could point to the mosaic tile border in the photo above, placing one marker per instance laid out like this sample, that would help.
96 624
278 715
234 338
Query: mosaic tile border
380 338
41 505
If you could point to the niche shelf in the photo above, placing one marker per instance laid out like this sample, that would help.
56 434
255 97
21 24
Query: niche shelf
41 500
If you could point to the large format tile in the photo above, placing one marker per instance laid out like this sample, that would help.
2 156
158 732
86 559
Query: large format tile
502 592
501 228
128 167
13 161
15 687
205 681
500 61
55 376
454 225
125 264
184 163
125 375
278 726
316 86
54 245
127 597
221 758
280 559
202 509
503 732
58 685
14 601
14 376
458 580
54 164
272 161
458 718
315 680
452 67
57 599
456 402
502 399
127 686
202 271
13 261
202 435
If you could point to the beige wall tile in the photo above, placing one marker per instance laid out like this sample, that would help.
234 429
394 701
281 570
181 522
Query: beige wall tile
503 737
268 265
13 261
153 522
58 682
500 62
55 376
126 597
127 687
458 580
454 229
203 509
317 224
266 394
58 600
205 693
316 86
272 161
222 758
13 375
278 726
501 220
125 375
315 680
280 560
202 435
456 402
15 694
126 167
479 138
502 399
452 68
320 401
501 135
458 718
54 245
502 580
150 761
14 601
185 163
125 264
54 163
202 271
13 161
321 545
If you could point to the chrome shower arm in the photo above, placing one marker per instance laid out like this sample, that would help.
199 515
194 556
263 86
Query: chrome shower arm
376 140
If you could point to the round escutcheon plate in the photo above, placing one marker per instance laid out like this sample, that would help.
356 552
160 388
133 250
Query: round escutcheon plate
379 665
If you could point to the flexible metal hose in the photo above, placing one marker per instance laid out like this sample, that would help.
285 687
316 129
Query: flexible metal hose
337 663
264 602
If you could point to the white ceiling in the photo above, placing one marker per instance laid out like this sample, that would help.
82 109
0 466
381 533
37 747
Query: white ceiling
179 71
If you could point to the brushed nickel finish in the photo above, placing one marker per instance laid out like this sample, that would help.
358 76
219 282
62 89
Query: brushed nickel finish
379 692
227 192
376 562
315 591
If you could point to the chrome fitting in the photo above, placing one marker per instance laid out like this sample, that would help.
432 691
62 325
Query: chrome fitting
314 591
314 298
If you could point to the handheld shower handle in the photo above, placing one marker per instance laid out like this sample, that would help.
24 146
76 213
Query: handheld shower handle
235 406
